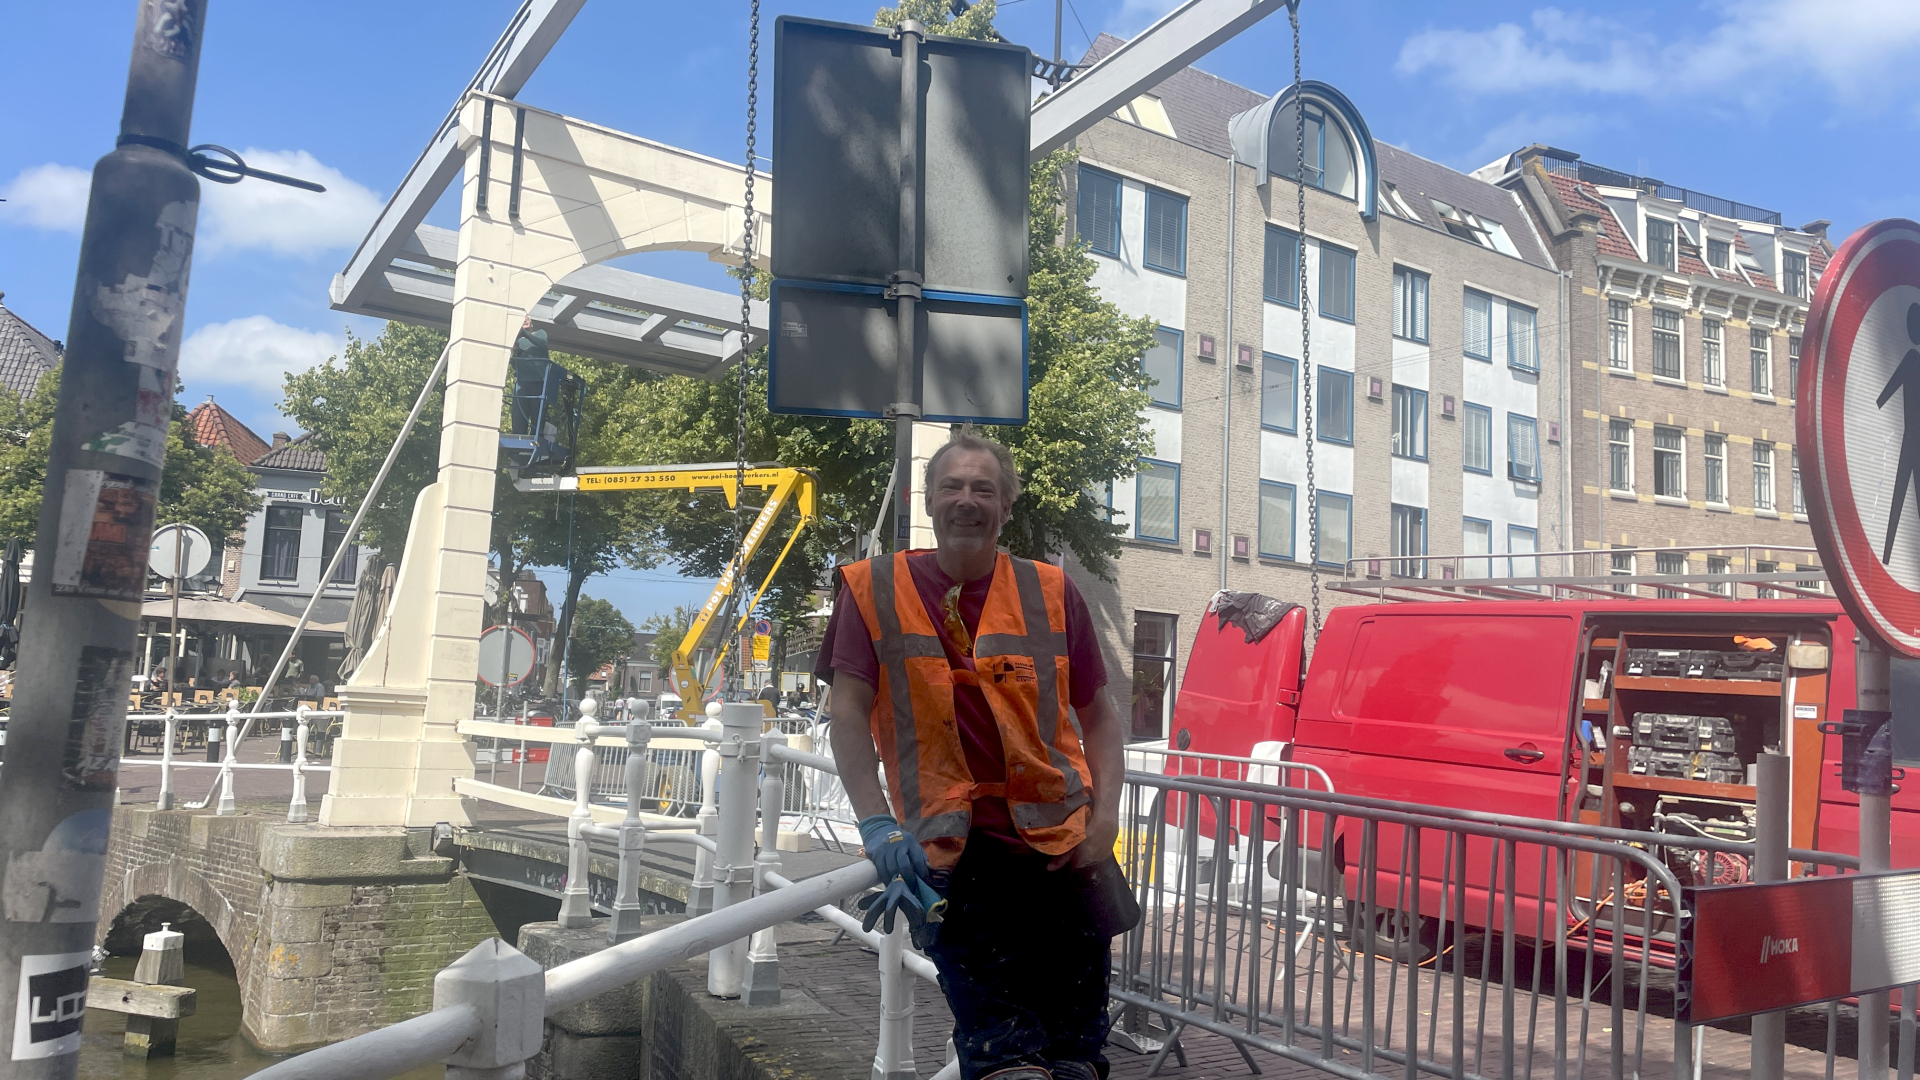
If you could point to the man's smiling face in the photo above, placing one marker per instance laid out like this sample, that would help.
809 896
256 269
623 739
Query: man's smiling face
968 502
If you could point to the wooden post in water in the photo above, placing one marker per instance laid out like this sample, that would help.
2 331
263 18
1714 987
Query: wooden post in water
162 963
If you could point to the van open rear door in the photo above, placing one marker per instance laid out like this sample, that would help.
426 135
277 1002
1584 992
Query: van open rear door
1242 684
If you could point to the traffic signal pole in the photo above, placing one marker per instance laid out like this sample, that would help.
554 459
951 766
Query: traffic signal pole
90 565
906 284
1872 682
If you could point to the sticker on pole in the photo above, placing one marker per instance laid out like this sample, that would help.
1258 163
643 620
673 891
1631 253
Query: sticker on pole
50 1005
1859 419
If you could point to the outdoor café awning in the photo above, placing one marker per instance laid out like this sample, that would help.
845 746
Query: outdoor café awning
233 613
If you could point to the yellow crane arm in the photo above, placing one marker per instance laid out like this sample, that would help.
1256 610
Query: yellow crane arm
783 485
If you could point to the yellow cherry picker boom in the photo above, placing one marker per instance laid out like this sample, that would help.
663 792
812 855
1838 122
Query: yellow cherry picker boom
781 485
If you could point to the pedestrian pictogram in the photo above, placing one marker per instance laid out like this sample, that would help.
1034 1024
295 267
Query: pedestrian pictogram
1859 453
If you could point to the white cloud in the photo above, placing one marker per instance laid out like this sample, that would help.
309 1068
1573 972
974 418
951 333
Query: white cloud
281 219
47 196
1755 51
253 353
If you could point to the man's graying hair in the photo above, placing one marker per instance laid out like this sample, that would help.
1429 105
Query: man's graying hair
964 439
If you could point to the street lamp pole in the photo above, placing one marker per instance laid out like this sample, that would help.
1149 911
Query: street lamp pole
90 566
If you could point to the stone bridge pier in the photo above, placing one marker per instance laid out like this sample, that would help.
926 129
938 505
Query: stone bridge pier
332 932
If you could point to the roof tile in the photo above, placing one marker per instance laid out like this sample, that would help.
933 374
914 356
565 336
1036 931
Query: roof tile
214 426
300 455
25 353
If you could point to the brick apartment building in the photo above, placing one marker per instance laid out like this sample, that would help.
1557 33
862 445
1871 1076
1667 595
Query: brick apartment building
1436 339
1687 326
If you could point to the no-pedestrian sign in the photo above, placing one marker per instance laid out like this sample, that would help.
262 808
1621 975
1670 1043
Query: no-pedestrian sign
1859 421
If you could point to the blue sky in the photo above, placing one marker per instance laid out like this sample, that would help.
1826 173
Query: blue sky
1803 106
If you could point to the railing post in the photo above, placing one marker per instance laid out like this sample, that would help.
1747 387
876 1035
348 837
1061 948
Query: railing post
297 806
508 991
165 799
576 906
893 1057
700 899
762 984
225 808
740 724
625 923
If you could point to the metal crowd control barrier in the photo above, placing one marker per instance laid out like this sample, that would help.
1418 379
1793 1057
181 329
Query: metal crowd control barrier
236 723
1369 938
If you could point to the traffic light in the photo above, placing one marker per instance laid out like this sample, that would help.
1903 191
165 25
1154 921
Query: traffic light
544 413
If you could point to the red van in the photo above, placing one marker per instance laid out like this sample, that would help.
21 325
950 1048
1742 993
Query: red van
1635 713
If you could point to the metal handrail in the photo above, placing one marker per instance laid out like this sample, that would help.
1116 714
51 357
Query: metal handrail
1445 577
228 764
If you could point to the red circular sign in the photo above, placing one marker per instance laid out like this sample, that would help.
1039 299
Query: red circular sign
1859 418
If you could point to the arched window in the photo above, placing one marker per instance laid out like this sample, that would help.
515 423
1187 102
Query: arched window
1329 149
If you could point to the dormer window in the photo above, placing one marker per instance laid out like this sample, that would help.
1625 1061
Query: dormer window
1660 247
1720 254
1793 274
1329 154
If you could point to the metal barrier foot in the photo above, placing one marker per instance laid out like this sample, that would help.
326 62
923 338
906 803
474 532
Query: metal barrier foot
1137 1041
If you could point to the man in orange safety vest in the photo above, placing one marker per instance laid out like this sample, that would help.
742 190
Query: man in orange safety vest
975 678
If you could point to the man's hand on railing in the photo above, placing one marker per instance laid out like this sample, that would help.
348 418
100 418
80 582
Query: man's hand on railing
892 849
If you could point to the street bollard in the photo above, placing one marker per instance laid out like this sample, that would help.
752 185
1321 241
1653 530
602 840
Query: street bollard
214 727
162 963
627 911
700 899
762 984
297 806
508 991
286 743
165 799
740 724
226 807
576 904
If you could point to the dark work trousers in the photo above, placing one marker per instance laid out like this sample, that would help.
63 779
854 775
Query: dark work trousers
1022 967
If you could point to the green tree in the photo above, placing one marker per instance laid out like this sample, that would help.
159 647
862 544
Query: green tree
204 486
668 630
600 634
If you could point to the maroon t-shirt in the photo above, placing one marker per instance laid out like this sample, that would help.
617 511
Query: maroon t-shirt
848 650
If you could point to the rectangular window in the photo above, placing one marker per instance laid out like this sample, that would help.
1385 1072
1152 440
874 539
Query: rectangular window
1621 565
1760 351
1620 455
1476 539
1409 304
1671 563
1334 409
1336 283
1799 497
1162 365
1153 639
1619 335
1523 350
1277 396
1476 439
280 554
1522 540
1793 368
1660 243
1761 566
1762 476
645 685
1097 215
1720 254
1716 459
1793 273
1166 231
1156 512
337 521
1476 333
1666 343
1523 448
1281 281
1713 367
1720 564
1669 463
1409 423
1276 520
1336 528
1409 539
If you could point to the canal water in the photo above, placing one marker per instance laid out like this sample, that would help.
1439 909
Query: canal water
211 1046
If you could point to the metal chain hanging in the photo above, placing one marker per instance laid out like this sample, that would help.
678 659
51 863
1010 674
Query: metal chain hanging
743 370
1306 318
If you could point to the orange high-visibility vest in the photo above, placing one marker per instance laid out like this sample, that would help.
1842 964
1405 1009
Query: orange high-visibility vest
1020 665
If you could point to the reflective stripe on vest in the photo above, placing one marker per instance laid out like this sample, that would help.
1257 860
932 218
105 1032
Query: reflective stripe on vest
913 719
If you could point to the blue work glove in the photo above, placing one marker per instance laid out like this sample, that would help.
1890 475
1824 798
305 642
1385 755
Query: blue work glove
898 896
892 849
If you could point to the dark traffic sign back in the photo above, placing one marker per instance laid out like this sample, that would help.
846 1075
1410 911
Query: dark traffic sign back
1859 429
